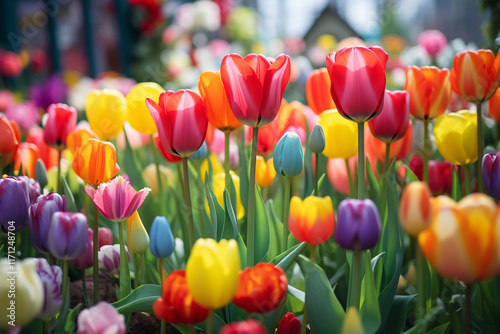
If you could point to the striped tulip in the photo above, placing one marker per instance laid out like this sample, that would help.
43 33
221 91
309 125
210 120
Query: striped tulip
311 220
415 210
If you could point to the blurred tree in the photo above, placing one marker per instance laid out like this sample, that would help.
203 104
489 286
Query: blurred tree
491 27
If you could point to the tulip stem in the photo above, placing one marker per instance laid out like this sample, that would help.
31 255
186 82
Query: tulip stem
286 211
158 175
349 176
86 297
251 200
361 160
313 253
124 289
95 254
426 148
227 163
163 327
65 295
187 198
480 148
139 274
316 174
191 329
161 268
356 280
210 322
467 308
467 179
59 183
419 267
303 327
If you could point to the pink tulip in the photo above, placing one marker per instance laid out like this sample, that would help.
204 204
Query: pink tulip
60 122
117 200
100 319
433 41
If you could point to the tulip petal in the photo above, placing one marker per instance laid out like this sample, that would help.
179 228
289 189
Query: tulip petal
276 79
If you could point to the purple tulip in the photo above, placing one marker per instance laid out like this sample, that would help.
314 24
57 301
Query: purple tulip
86 259
51 277
40 214
101 318
491 174
109 256
53 90
14 204
358 224
34 188
67 236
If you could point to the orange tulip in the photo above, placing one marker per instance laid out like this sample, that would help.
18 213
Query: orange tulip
475 75
26 157
429 89
77 137
399 149
264 172
95 162
311 220
318 91
462 242
495 106
49 155
9 140
217 106
415 209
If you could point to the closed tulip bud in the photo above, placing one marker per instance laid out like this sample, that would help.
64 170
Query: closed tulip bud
218 186
105 110
51 277
212 272
40 218
352 322
415 211
10 138
138 114
316 141
261 288
440 174
288 156
337 129
67 235
392 122
109 257
176 304
264 172
162 242
41 173
289 324
318 91
250 326
23 306
358 224
105 236
85 260
101 318
137 236
491 174
311 220
200 153
14 203
60 122
77 137
433 41
494 106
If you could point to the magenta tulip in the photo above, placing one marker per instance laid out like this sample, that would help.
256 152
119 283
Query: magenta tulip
61 121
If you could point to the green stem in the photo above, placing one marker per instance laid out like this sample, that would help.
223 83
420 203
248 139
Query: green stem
286 211
187 198
95 254
467 309
163 328
86 297
387 157
349 176
158 176
46 325
191 329
59 183
313 253
480 149
251 200
141 271
227 162
361 160
426 149
65 284
356 280
467 179
419 267
201 203
161 269
316 175
210 322
125 288
303 327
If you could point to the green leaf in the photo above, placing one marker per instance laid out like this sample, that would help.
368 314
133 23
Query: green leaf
70 200
398 314
320 183
410 174
370 311
286 259
216 210
276 231
139 300
70 327
243 251
374 190
131 166
300 295
456 186
441 329
262 234
230 227
324 311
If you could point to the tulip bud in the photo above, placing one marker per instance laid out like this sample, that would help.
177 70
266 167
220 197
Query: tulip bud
14 203
491 174
137 236
41 173
105 237
51 277
288 155
200 153
250 326
312 219
352 322
105 110
317 139
289 324
415 210
137 112
109 256
101 318
60 122
67 236
162 242
358 224
264 172
85 260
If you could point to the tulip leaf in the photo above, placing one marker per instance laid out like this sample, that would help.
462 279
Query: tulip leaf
276 231
456 187
286 259
374 189
216 210
230 226
324 311
218 324
262 234
243 251
320 183
70 200
131 166
300 295
486 310
398 314
70 327
370 311
140 299
410 174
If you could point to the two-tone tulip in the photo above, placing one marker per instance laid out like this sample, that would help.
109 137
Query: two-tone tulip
264 172
77 137
26 157
162 243
491 174
137 236
318 91
105 110
101 318
311 220
288 158
109 257
60 122
51 277
85 260
392 122
415 210
9 141
67 235
138 115
14 204
338 130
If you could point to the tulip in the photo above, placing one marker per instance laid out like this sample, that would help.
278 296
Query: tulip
67 235
358 224
266 141
40 217
392 122
138 114
9 141
440 174
212 272
317 141
429 88
415 211
217 106
49 155
100 319
352 322
398 150
201 152
494 106
162 243
14 204
105 110
176 304
51 277
218 186
263 83
60 122
261 288
77 137
21 308
340 178
95 162
137 236
150 176
292 118
433 41
250 326
168 156
27 155
181 121
34 189
86 259
358 81
491 174
288 156
318 91
109 257
289 324
117 200
10 64
264 172
466 232
105 237
338 130
311 220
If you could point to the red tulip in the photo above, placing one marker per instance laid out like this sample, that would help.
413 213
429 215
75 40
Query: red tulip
250 326
398 150
169 157
318 91
358 81
49 155
27 155
289 324
9 140
392 122
181 121
61 121
440 174
254 86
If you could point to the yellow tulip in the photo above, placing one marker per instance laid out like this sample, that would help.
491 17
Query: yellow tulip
138 114
462 242
137 236
151 178
264 172
105 110
341 135
212 272
218 185
352 322
21 293
456 137
216 166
